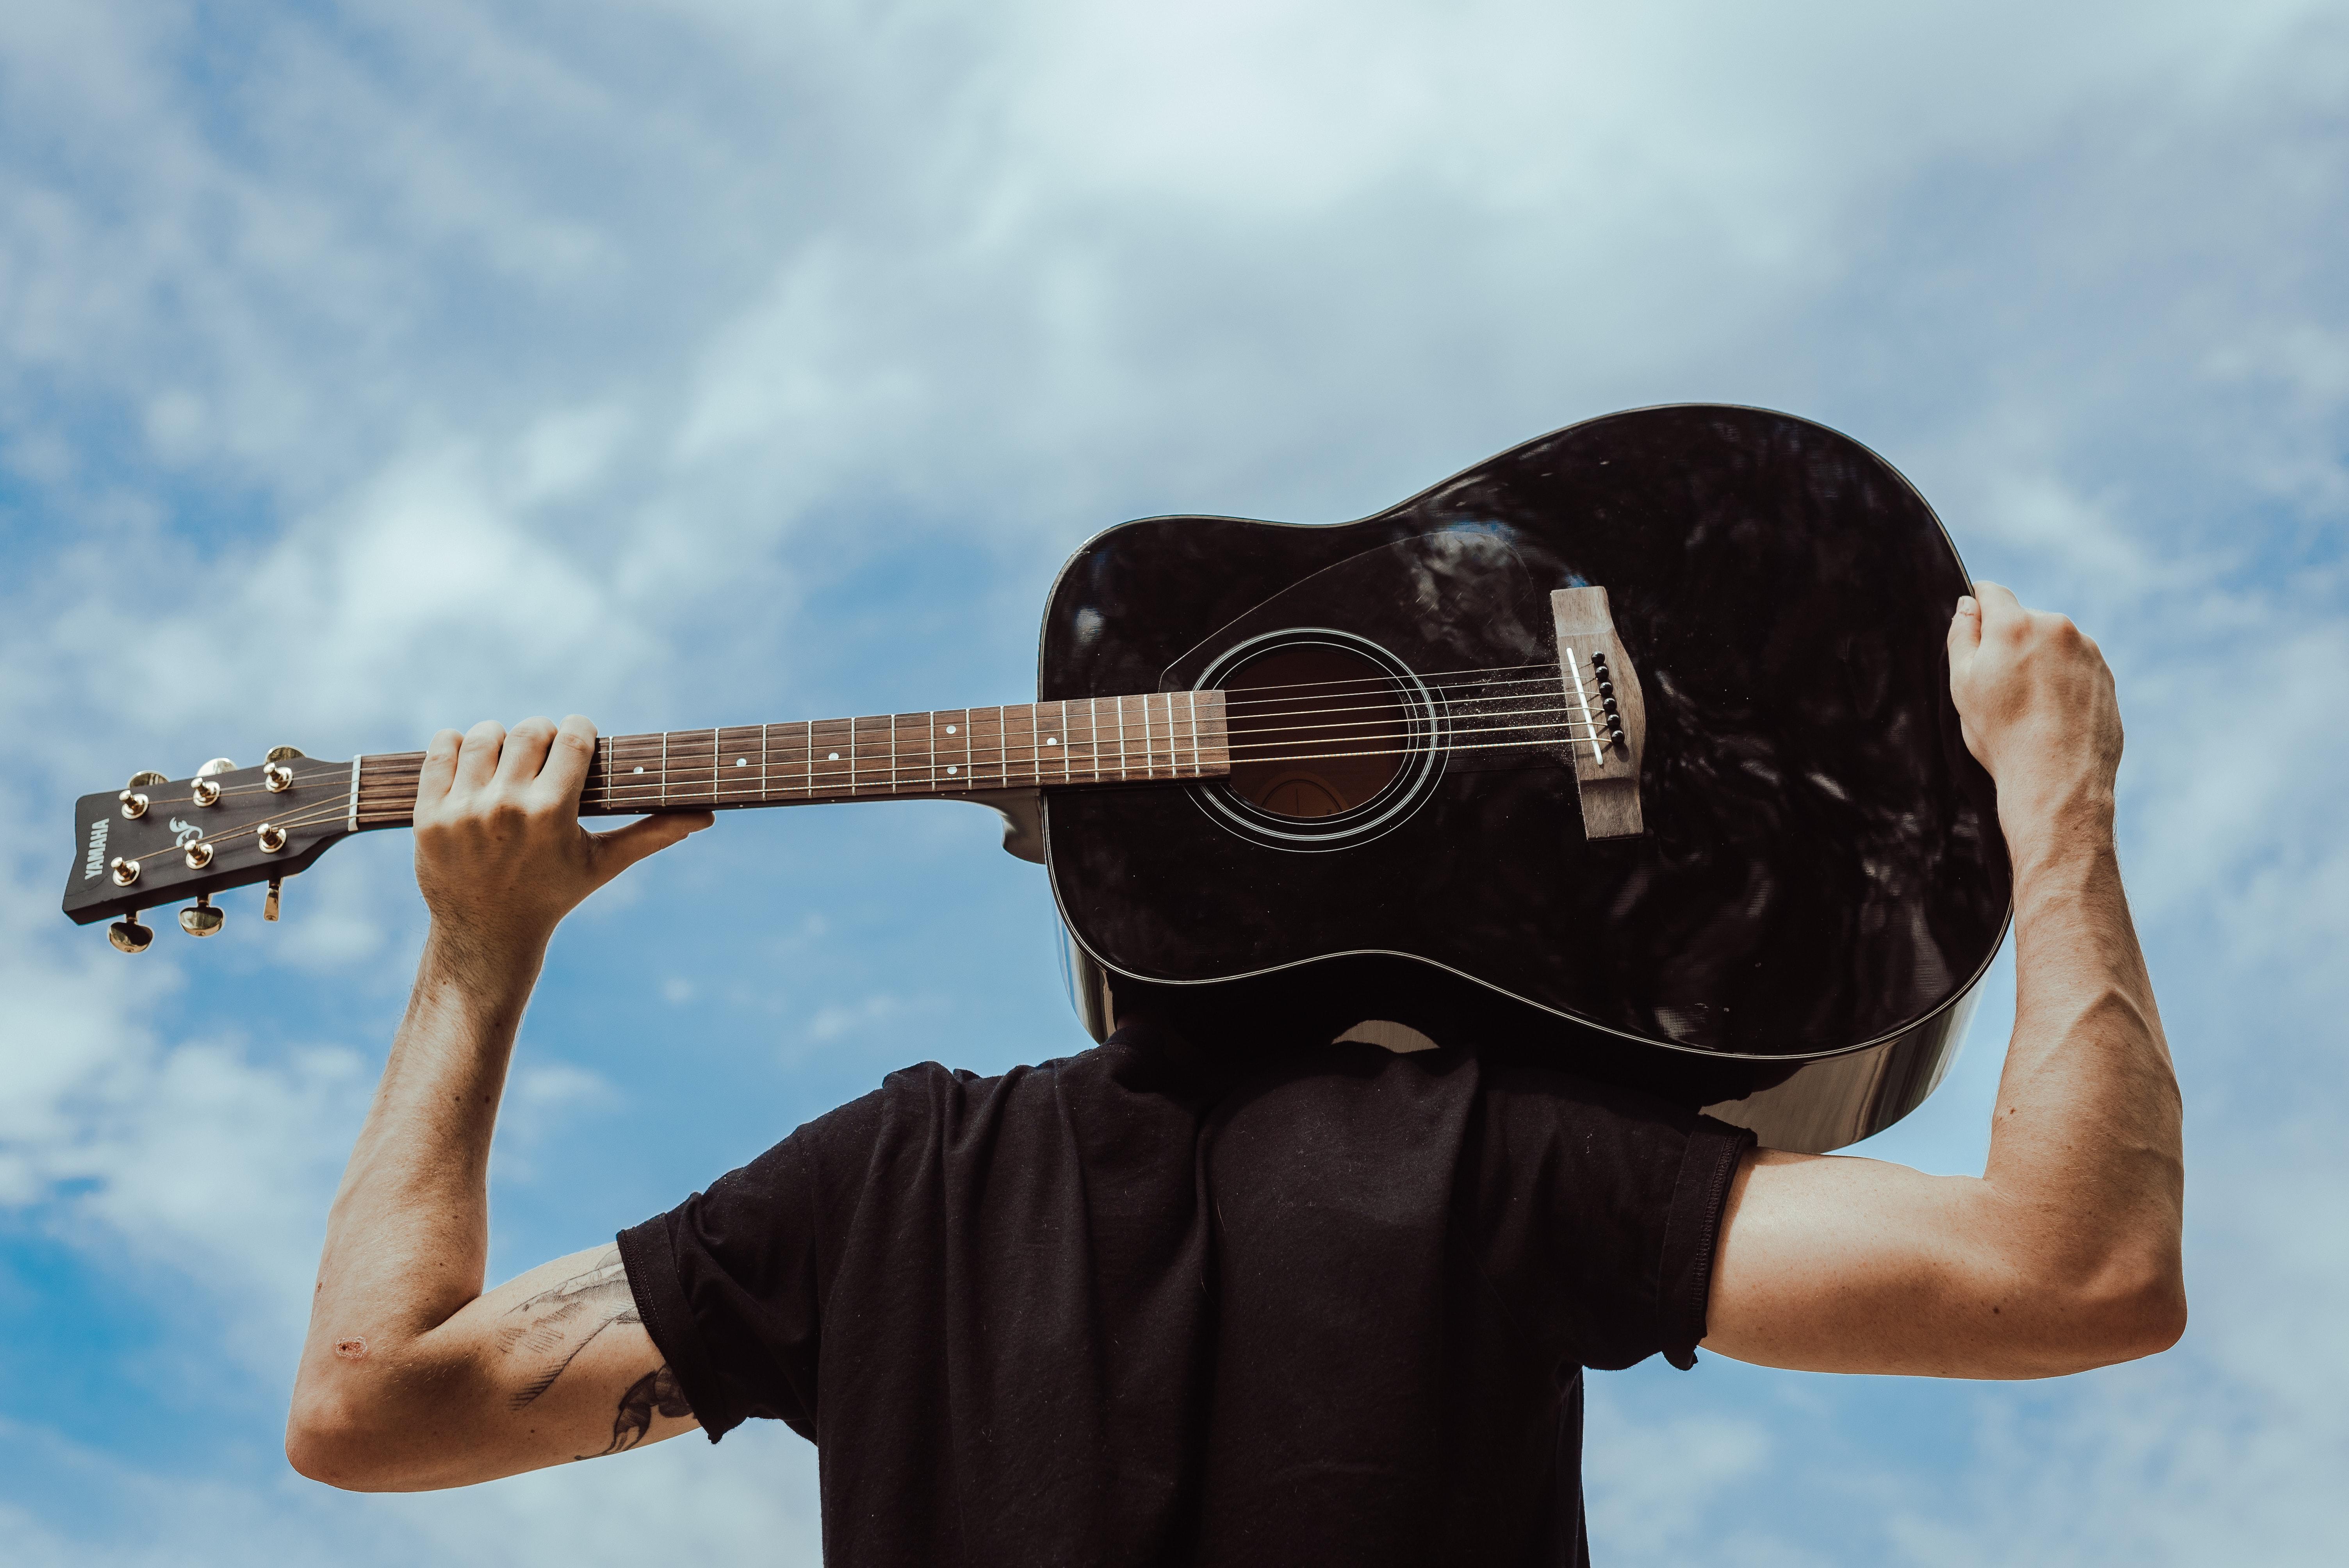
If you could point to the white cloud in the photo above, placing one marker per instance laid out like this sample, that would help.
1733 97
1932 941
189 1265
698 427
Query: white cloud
437 363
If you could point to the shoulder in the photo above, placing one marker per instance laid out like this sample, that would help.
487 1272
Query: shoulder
929 1100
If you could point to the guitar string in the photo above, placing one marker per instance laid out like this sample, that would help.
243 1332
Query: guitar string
1250 743
624 747
615 747
384 804
1253 734
1255 737
1235 696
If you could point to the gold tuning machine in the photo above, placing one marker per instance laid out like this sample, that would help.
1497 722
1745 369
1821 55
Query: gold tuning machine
201 918
205 792
128 935
134 799
269 904
275 772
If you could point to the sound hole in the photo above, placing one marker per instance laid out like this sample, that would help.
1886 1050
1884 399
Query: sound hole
1315 731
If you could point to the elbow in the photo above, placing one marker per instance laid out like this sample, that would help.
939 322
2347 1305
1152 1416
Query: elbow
2141 1313
328 1442
2152 1320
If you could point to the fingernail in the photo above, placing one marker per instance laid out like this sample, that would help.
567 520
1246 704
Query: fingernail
1966 605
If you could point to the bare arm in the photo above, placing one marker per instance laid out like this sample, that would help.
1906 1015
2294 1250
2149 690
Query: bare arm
2064 1253
411 1376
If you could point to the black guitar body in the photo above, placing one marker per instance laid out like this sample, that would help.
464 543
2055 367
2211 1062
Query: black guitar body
1796 939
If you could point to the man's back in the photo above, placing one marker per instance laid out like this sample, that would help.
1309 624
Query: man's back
1123 1308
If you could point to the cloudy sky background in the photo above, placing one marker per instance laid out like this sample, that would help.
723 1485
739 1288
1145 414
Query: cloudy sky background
367 367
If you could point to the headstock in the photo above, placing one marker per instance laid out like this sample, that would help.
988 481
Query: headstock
160 840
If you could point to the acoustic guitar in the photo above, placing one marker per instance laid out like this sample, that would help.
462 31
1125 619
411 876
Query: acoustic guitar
1630 750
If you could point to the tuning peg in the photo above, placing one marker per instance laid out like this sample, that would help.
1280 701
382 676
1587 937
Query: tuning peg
128 935
200 919
274 771
269 904
133 798
204 792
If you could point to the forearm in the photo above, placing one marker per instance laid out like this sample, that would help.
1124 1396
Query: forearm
407 1239
2085 1172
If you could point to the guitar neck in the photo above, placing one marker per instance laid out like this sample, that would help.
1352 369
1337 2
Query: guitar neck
1155 738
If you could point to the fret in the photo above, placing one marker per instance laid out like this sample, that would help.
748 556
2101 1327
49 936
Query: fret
828 765
1019 741
789 756
1060 740
737 751
953 754
911 736
689 768
632 770
1194 705
985 747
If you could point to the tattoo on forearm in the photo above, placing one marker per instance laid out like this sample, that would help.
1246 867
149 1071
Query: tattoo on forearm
547 1322
656 1391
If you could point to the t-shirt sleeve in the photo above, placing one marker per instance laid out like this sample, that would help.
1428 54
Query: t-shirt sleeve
730 1282
1605 1207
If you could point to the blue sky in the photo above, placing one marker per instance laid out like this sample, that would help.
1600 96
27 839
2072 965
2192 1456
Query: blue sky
369 367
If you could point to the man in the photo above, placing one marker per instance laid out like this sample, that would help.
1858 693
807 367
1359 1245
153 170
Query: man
1138 1305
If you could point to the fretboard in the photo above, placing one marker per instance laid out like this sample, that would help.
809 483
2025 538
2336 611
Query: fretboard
1158 738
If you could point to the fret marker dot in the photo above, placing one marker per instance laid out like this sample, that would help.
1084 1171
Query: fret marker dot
951 730
1052 741
950 769
742 762
835 756
640 769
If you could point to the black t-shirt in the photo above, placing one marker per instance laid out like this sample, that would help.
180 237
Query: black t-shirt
1116 1309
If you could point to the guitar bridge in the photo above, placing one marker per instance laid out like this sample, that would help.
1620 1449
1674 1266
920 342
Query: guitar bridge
1607 716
